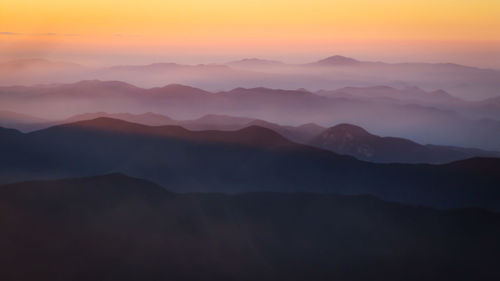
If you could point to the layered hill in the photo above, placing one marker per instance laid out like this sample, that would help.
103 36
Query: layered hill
119 228
329 73
251 159
423 116
340 139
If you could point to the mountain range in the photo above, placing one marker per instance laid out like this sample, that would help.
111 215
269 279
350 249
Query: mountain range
343 139
253 169
426 118
352 140
329 73
115 227
251 159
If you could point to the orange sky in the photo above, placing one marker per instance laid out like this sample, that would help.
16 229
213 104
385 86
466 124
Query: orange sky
466 31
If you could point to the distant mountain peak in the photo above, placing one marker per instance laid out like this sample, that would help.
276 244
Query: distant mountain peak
102 121
101 83
310 126
262 136
337 60
178 89
216 118
255 62
345 128
440 92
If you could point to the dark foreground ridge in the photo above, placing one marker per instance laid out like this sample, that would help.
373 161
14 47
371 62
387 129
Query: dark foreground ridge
114 227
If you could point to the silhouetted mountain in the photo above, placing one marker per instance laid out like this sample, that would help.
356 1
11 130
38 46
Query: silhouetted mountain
336 60
251 159
251 136
114 227
355 141
300 134
149 118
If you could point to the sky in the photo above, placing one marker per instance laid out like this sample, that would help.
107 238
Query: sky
202 31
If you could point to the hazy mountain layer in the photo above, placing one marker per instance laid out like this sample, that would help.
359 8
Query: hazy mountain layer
418 119
329 73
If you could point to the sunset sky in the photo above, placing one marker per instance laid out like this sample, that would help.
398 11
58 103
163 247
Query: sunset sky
108 32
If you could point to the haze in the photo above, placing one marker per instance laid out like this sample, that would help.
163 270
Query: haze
113 32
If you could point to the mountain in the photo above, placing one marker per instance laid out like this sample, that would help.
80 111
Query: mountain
469 124
216 122
255 63
440 99
300 134
148 118
352 140
179 91
336 60
205 76
408 94
251 159
370 148
468 83
122 228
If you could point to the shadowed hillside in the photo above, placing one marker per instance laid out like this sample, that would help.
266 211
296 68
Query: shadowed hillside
355 141
114 227
251 159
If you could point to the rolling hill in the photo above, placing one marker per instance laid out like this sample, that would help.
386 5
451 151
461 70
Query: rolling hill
115 227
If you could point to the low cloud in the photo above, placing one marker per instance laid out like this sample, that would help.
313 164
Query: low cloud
38 34
9 33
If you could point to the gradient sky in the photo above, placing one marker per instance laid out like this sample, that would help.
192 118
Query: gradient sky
131 31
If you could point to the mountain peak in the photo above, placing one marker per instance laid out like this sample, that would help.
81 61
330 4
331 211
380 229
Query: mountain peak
221 118
345 128
255 62
178 89
104 122
261 136
337 60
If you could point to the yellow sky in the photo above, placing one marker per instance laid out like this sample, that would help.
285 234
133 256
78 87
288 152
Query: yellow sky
224 26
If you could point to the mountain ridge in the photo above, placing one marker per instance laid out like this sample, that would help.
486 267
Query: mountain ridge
131 229
353 140
252 159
